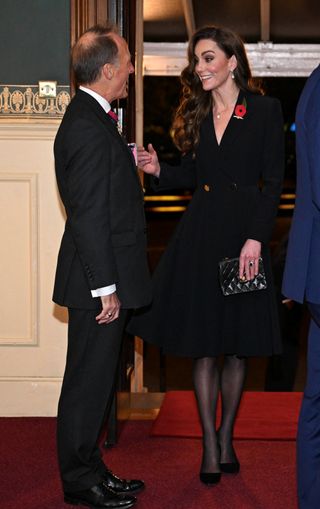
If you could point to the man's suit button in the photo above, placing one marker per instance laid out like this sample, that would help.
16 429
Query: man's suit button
233 186
145 230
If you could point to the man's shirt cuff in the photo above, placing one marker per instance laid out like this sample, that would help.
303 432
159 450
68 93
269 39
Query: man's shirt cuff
105 290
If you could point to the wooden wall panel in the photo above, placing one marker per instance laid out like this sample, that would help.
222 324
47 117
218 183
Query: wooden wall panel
85 13
33 332
19 259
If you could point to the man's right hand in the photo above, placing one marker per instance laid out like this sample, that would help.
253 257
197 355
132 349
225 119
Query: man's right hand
110 309
148 160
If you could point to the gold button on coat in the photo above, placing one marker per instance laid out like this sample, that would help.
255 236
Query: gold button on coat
206 187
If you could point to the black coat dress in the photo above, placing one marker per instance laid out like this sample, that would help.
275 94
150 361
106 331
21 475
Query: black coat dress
237 187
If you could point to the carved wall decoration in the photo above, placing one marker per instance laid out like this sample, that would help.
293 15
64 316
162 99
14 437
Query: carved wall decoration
22 101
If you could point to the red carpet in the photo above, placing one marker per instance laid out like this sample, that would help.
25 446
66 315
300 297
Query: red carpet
262 415
30 480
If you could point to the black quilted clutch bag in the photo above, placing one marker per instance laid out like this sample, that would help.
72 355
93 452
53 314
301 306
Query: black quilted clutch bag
230 282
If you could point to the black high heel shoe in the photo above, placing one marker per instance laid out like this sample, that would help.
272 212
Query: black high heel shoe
210 478
230 468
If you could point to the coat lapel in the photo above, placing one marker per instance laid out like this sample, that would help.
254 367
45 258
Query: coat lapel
237 122
107 122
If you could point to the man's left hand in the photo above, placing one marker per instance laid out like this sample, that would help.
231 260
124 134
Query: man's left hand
110 309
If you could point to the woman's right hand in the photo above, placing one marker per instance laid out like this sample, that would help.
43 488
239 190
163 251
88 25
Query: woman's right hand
148 160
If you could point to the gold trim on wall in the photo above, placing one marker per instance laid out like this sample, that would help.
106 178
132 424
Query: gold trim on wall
23 101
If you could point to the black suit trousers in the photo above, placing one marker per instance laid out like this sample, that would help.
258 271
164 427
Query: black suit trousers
92 359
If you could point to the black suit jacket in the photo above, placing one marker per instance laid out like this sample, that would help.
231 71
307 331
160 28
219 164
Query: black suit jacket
104 241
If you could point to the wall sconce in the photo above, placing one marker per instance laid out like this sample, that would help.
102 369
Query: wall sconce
47 89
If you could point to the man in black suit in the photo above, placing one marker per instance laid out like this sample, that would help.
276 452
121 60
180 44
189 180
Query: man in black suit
102 268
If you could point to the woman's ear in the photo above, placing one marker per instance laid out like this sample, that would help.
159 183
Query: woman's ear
233 63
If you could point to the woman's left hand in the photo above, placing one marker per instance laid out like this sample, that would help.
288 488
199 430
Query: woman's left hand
249 259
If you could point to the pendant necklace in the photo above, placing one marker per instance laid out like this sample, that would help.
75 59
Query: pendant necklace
219 113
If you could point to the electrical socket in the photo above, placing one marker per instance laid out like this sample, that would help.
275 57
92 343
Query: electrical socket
47 89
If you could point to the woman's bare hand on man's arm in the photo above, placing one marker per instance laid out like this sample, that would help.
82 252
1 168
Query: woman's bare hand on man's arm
148 160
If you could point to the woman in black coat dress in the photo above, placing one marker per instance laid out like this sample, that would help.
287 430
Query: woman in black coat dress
231 139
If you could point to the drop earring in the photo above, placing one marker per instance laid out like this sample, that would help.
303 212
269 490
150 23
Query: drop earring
232 74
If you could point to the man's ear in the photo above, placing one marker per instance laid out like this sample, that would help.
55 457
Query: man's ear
107 70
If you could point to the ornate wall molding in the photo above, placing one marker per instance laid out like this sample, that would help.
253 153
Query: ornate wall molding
23 101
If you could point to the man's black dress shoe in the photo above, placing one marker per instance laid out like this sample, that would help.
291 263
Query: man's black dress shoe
100 497
122 485
230 468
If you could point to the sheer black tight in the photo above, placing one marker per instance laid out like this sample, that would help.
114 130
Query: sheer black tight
207 385
232 382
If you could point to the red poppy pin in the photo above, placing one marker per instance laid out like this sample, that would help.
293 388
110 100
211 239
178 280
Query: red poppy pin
240 110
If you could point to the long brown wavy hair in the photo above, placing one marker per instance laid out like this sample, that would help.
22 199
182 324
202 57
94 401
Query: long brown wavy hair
195 103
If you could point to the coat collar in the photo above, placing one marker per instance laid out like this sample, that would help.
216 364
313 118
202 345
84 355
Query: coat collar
97 108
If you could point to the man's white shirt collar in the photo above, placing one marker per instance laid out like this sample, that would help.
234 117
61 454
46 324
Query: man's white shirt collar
101 100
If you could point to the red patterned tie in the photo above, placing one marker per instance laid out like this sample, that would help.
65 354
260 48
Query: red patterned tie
113 115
